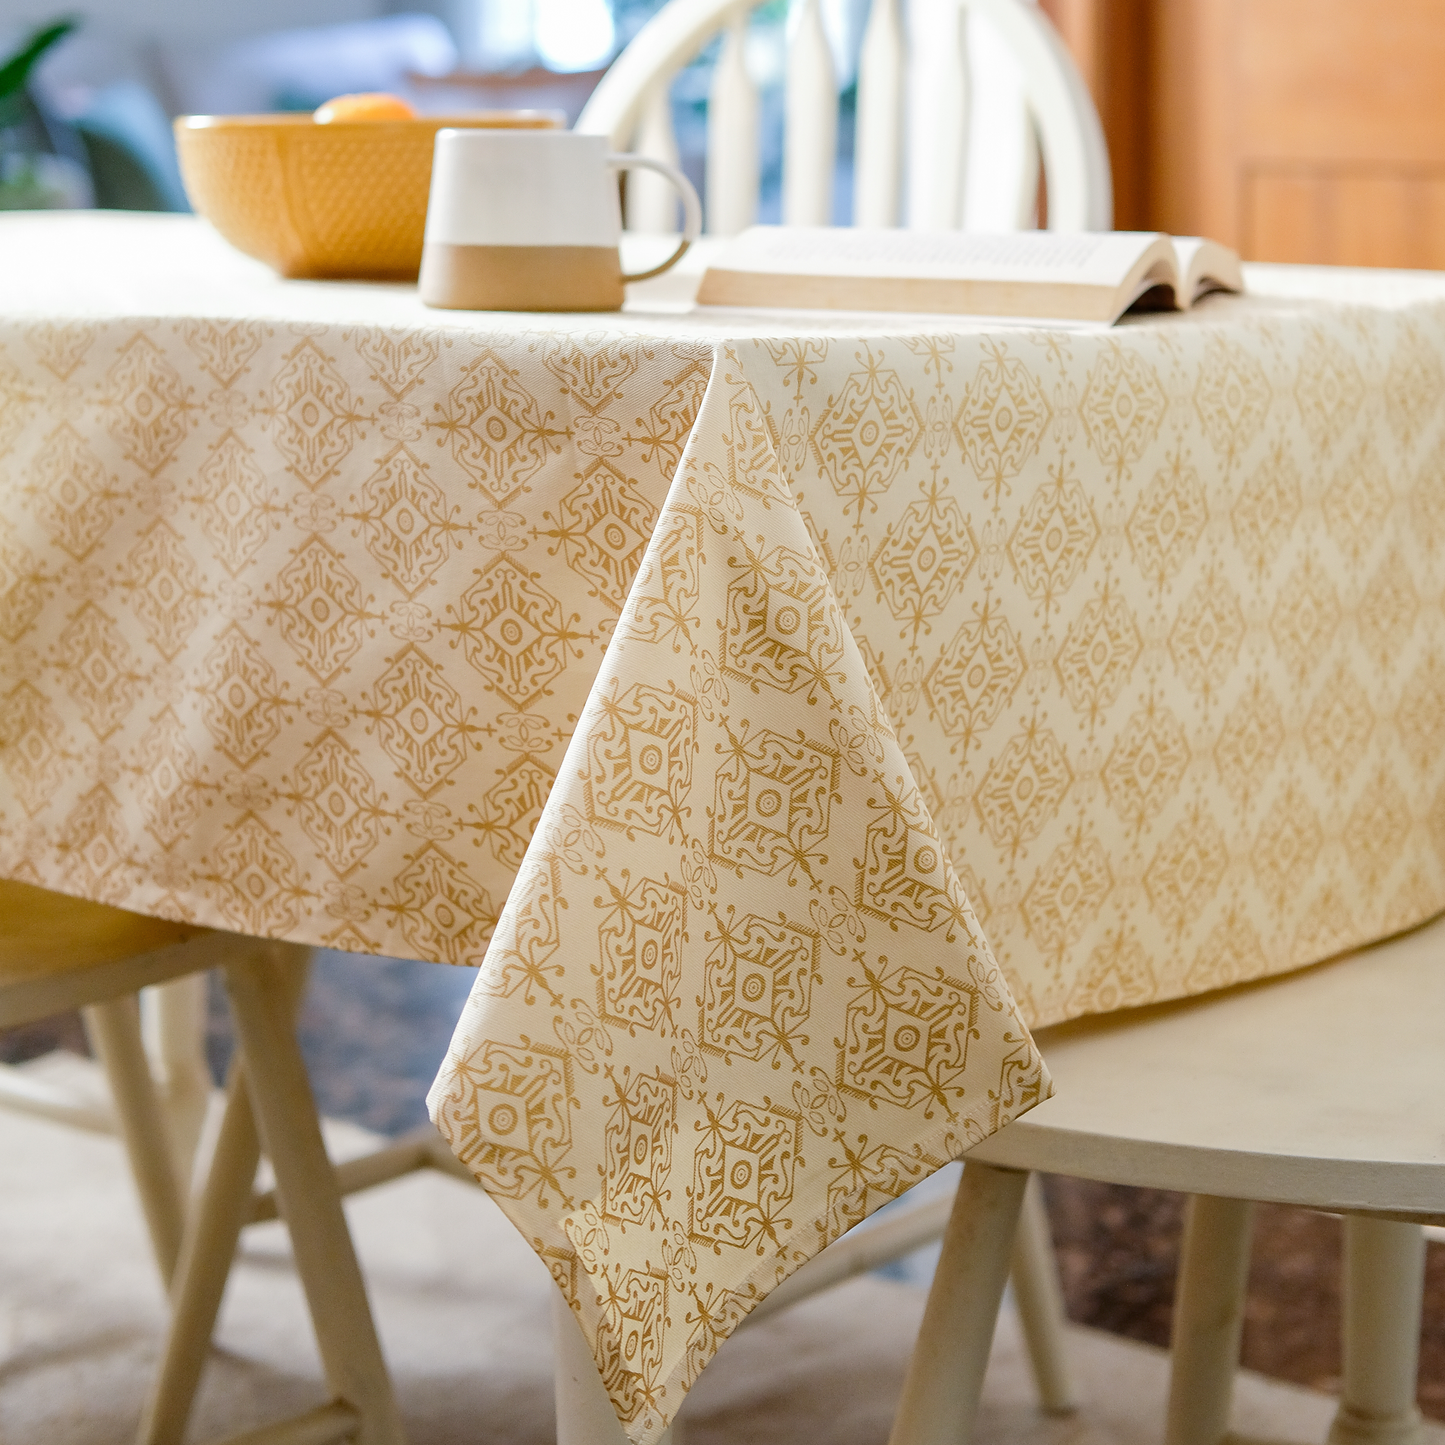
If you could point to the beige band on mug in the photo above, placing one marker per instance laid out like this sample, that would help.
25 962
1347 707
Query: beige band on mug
521 278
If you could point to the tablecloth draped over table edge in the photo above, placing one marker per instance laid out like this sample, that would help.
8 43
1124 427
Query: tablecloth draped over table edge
737 807
1155 615
177 569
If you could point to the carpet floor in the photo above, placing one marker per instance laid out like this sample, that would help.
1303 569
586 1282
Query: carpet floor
462 1306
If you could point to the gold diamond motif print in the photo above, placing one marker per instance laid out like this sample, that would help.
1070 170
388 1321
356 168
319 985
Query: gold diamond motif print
863 440
513 632
421 721
75 501
639 1152
639 936
500 435
603 527
921 566
1122 407
242 703
743 1174
1054 538
314 416
98 670
511 807
23 588
1168 520
780 630
760 978
907 1040
172 789
976 676
34 746
774 797
410 529
165 588
93 847
1232 399
521 1129
1001 418
442 914
1023 788
257 878
148 405
640 757
237 507
337 803
319 607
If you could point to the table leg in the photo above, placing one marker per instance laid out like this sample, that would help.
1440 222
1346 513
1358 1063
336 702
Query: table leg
945 1375
1208 1319
1384 1290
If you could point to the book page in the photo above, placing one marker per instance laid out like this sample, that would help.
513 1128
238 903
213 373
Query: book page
1205 266
1088 259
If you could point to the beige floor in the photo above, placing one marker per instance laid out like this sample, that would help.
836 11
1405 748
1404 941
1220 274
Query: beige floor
463 1308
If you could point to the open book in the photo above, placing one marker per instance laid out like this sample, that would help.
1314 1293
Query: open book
1089 276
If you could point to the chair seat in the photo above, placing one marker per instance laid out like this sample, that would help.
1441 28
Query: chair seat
57 952
1322 1088
43 933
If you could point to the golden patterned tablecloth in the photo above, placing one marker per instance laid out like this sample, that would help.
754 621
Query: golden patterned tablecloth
305 593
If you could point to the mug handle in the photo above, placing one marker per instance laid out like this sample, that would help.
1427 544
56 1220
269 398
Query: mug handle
691 207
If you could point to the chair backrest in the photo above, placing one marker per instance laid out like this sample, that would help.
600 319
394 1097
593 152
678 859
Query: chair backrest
949 72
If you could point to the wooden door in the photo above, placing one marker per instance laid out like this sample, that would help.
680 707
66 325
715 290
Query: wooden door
1301 130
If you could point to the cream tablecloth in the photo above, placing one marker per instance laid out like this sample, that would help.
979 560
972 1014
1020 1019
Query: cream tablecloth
813 644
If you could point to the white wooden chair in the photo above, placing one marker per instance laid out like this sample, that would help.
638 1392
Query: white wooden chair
935 81
59 953
1321 1088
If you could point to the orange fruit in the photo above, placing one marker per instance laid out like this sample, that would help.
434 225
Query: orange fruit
378 106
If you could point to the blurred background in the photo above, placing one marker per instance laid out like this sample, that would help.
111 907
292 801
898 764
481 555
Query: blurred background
1294 130
101 99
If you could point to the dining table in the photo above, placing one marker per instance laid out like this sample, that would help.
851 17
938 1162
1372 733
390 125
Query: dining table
787 711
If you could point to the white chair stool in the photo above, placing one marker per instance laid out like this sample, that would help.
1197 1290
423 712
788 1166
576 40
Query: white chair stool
1050 101
1321 1088
59 953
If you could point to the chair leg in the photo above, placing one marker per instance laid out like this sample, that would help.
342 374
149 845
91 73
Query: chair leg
173 1023
1208 1319
1384 1288
1034 1273
310 1201
584 1413
215 1225
945 1375
115 1038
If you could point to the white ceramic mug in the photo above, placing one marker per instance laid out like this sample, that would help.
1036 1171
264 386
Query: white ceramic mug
529 221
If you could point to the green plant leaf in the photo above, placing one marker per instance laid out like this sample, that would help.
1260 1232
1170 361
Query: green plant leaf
16 71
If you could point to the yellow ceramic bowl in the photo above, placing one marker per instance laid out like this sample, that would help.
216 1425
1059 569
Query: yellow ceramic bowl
344 199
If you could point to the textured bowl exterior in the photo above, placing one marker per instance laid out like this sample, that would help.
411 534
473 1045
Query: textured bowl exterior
346 199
